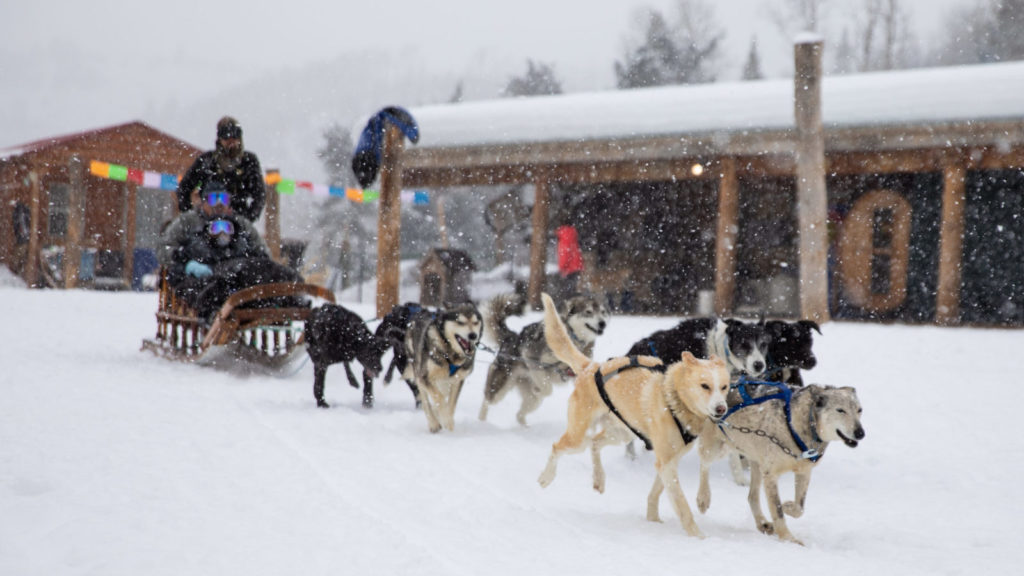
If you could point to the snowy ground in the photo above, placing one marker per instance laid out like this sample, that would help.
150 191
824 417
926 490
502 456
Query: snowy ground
115 462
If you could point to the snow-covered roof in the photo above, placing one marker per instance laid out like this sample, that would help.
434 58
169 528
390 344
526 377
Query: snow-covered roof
990 92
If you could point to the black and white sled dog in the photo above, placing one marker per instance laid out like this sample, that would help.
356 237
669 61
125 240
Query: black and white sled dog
789 350
391 331
743 345
441 347
335 334
525 361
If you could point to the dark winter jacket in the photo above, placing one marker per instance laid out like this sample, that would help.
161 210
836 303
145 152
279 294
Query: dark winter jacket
244 183
187 239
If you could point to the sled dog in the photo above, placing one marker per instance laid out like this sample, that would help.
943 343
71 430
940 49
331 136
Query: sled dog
666 407
441 346
743 345
525 361
391 331
760 431
789 350
335 334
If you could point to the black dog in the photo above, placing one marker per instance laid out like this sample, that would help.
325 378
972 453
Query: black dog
335 334
742 345
391 331
789 350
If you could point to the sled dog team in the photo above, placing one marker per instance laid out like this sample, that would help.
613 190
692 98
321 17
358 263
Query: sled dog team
734 386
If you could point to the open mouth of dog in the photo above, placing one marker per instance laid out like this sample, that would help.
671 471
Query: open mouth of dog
466 345
599 330
848 441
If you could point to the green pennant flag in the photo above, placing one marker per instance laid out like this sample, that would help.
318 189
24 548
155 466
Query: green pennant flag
118 172
370 195
286 187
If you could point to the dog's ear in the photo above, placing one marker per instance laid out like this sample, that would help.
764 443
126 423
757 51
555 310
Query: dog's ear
810 325
687 357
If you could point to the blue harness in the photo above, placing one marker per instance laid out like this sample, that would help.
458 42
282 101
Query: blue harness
784 394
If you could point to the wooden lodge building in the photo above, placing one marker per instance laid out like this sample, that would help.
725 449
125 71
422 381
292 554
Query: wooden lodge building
895 196
49 200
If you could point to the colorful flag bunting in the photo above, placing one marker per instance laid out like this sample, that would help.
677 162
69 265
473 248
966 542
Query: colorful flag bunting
150 179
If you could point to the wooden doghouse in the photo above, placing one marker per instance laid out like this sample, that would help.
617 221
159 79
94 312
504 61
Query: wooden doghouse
445 276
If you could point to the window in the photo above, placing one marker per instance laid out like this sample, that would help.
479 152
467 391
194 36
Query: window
57 224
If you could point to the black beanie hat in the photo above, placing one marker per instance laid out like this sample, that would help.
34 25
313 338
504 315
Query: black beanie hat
228 128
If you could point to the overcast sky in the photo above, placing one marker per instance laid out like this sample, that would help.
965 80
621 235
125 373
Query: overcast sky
69 65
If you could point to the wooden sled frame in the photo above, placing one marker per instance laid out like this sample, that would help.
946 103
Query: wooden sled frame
266 336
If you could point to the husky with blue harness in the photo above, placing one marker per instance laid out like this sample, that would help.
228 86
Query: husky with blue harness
441 347
637 397
779 430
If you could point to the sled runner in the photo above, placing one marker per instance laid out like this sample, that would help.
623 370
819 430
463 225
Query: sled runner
252 325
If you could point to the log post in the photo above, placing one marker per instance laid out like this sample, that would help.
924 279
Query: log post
951 240
725 244
389 220
272 209
539 241
812 198
131 193
75 222
31 270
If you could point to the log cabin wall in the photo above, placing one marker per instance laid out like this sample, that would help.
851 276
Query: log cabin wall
104 223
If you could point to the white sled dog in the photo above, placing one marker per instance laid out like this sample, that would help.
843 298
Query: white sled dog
665 407
441 346
759 429
525 361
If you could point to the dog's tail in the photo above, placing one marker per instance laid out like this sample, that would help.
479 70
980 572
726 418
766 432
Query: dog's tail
559 340
498 310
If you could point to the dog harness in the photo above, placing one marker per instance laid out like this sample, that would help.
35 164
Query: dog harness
599 380
784 394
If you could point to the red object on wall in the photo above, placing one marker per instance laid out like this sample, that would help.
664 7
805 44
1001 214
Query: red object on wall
570 259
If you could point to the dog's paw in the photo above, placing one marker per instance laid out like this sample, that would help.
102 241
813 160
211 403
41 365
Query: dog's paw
546 477
792 509
790 538
703 503
766 528
322 404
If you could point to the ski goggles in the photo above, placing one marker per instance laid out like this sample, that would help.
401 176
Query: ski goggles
215 198
221 227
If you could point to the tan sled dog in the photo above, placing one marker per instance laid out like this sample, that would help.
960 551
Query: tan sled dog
760 431
664 407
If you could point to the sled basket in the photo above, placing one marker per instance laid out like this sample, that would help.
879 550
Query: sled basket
244 329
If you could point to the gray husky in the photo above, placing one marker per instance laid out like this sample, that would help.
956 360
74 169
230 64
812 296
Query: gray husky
759 429
525 361
441 346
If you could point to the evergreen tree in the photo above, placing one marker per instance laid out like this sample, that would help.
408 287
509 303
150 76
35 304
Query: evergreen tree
456 96
336 156
539 80
752 69
988 31
683 53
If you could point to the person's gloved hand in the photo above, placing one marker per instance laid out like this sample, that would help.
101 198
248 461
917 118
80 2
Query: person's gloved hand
198 269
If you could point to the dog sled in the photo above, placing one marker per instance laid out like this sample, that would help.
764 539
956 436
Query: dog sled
249 327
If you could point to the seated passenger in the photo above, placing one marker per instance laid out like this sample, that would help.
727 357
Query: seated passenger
209 252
